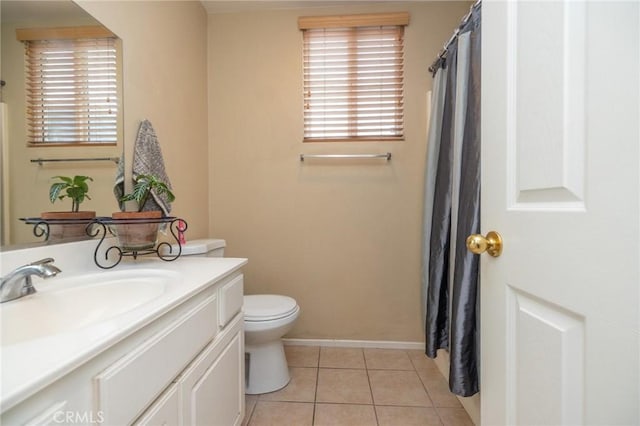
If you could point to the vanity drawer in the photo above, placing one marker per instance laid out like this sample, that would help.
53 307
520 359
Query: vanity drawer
127 387
231 300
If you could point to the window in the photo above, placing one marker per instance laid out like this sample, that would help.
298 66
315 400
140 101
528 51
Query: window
353 77
71 86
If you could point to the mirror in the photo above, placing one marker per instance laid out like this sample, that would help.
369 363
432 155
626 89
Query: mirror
25 184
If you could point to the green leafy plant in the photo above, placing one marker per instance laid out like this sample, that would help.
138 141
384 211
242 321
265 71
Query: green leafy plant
75 188
142 188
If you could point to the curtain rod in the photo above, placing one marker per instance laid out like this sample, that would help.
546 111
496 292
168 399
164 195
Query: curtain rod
441 55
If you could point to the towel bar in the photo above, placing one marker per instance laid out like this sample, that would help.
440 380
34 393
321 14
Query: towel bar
59 160
385 155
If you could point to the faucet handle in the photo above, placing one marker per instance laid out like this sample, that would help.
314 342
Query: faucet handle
43 261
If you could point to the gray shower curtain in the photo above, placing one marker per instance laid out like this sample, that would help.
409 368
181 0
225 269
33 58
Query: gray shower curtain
433 149
452 210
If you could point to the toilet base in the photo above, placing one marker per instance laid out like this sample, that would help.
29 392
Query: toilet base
266 367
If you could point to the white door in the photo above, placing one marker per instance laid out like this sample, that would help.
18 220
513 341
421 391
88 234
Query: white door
560 183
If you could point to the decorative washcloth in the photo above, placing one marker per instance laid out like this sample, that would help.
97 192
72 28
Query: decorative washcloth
118 186
147 160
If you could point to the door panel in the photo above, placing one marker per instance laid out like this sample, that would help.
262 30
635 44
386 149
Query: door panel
546 349
560 182
546 74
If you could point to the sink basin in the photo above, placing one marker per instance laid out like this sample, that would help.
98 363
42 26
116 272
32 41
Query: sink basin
67 304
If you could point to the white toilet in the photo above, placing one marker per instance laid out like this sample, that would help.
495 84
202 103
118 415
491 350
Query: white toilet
267 317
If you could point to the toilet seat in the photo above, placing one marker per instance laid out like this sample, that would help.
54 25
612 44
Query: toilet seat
268 307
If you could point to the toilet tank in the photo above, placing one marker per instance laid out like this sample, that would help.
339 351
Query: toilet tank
208 247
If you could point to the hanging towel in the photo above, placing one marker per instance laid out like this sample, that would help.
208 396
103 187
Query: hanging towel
147 160
118 186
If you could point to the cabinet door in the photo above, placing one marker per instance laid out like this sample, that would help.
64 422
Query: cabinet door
128 386
165 411
212 389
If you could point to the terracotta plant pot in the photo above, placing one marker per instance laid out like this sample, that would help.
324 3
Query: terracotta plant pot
76 229
134 236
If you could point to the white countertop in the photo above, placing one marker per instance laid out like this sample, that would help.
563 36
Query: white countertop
29 366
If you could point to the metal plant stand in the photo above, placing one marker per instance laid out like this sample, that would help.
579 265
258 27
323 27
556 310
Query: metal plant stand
103 226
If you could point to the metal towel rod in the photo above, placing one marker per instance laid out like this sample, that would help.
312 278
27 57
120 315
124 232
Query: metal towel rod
61 160
385 155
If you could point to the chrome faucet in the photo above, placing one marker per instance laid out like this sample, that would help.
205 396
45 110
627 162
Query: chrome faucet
17 283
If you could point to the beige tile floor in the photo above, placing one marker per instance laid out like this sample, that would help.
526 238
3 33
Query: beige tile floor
358 387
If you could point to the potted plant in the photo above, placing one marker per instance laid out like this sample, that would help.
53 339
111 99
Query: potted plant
76 188
139 230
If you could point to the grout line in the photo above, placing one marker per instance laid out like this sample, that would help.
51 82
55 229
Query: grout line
248 423
424 386
373 401
315 393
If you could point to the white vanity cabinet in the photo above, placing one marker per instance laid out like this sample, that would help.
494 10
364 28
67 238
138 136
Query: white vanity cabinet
207 391
210 387
184 367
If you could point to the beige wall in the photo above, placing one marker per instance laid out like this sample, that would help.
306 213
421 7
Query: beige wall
343 238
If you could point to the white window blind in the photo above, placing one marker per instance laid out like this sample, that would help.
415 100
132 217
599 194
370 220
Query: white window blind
353 82
72 91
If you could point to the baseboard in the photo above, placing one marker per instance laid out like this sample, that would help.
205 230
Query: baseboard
379 344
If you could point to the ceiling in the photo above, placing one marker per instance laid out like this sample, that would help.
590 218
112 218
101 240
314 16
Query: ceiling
13 10
231 6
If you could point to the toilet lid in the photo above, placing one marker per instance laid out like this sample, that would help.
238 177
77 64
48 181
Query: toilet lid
265 307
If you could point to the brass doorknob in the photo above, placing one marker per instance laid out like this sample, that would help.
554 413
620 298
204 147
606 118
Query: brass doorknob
492 244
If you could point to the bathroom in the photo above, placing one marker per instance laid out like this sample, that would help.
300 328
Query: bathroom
223 91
